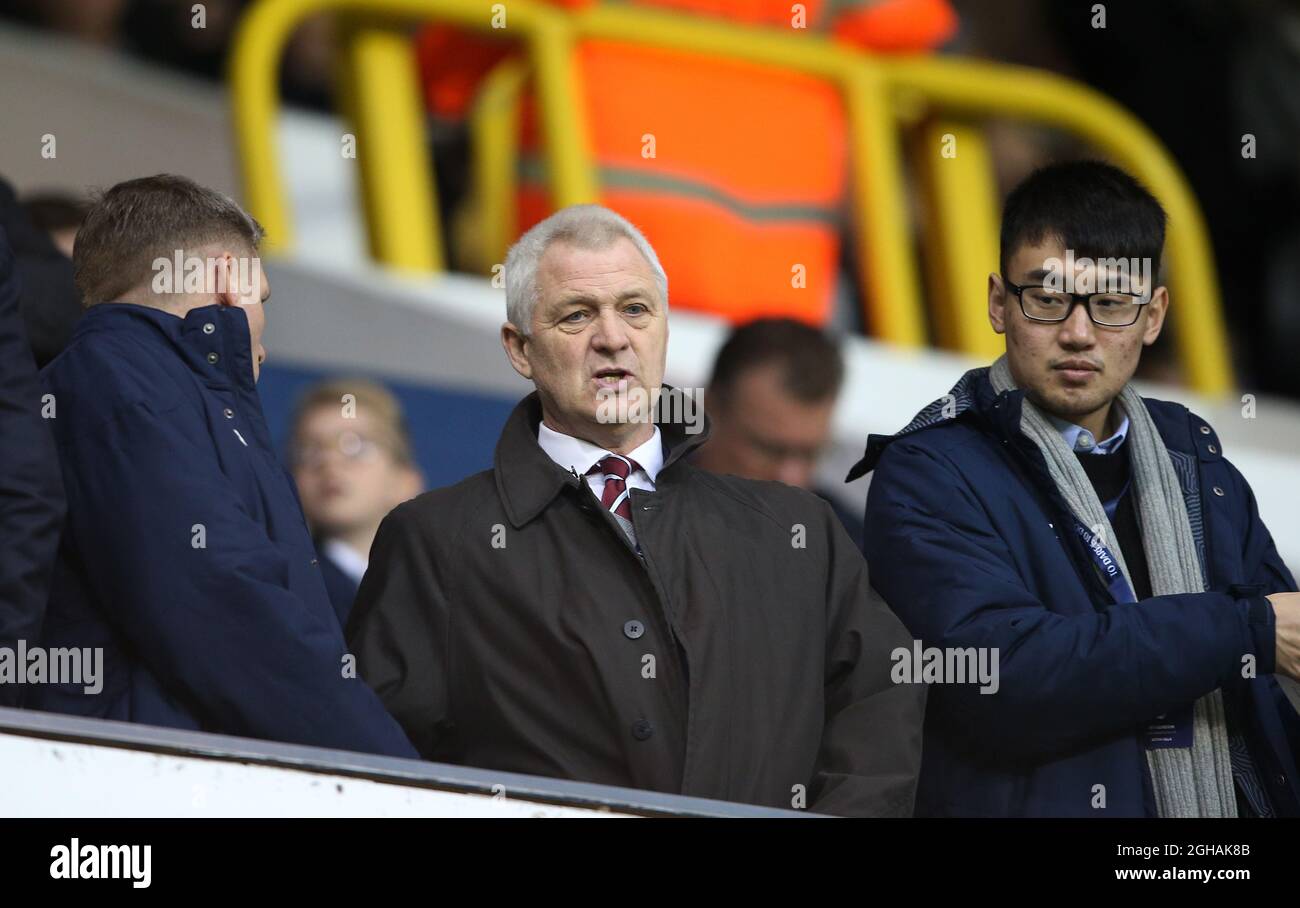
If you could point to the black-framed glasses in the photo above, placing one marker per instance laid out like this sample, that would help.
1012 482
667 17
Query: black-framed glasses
1109 310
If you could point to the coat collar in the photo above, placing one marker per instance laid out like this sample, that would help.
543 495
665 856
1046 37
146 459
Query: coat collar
973 394
973 398
202 334
528 480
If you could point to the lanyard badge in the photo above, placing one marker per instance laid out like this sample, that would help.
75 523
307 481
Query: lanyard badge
1106 564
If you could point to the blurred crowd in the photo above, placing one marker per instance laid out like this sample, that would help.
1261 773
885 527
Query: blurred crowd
168 33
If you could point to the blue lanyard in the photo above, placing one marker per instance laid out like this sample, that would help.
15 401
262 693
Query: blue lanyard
1105 563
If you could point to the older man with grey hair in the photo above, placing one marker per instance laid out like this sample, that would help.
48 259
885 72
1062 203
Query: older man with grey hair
595 607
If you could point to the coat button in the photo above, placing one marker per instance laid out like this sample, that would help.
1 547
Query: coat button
633 630
228 413
212 358
1205 430
642 729
1212 449
209 328
1218 491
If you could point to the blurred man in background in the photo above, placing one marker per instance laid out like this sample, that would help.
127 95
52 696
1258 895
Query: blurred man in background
46 290
185 556
31 493
60 215
1098 541
597 608
353 463
770 401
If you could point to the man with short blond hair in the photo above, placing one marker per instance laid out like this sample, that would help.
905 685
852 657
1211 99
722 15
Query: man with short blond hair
184 555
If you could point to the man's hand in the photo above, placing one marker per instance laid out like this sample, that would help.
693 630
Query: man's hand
1286 607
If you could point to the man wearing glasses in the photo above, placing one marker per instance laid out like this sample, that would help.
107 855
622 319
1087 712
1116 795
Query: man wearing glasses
1097 544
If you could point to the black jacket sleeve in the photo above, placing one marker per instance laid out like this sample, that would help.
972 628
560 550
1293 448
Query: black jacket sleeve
47 295
871 741
398 628
31 491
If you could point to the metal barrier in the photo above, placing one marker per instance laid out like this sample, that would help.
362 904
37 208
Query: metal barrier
382 92
413 774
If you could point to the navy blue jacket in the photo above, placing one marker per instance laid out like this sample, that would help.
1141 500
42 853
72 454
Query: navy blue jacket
185 554
970 543
31 495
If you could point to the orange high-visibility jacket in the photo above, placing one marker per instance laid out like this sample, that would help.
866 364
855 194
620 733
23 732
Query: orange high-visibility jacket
736 173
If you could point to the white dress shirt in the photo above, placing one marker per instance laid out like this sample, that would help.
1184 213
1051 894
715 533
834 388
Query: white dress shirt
348 559
578 456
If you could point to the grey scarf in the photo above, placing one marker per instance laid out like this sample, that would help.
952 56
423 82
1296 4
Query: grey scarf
1189 782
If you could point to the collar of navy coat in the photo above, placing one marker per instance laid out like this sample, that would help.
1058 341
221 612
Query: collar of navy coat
194 338
206 330
528 480
956 403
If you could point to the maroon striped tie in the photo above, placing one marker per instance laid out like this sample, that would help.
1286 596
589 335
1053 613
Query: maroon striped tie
616 470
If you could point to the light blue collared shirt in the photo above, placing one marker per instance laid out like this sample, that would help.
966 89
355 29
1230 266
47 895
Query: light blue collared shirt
1081 441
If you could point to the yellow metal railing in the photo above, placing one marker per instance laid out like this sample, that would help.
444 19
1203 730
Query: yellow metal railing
383 100
397 182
